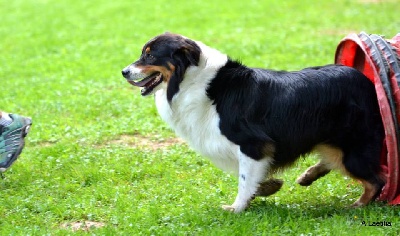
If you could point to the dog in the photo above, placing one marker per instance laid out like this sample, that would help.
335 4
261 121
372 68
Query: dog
254 122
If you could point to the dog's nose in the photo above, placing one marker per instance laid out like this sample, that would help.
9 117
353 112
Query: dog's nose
125 72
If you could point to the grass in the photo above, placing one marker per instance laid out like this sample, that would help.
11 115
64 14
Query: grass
99 152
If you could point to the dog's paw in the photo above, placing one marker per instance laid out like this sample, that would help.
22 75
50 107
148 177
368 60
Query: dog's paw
233 208
357 204
269 187
305 179
228 208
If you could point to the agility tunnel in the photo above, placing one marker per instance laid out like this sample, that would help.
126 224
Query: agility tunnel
379 59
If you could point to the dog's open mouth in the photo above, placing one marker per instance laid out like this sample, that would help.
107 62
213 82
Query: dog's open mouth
148 83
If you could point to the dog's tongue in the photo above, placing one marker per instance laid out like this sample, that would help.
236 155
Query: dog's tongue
143 82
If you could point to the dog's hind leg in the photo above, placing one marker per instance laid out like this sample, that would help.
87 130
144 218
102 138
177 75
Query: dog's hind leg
331 158
251 174
313 173
371 191
364 166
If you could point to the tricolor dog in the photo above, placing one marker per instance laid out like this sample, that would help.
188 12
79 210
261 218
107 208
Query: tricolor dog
253 122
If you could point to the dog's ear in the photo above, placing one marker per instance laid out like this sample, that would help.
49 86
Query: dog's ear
184 48
187 54
173 84
175 80
191 51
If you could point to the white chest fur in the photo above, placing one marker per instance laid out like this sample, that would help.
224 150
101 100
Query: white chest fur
193 117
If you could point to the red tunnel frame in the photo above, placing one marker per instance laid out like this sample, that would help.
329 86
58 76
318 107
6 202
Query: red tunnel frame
362 52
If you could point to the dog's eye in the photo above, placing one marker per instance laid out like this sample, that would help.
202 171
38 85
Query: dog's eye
149 57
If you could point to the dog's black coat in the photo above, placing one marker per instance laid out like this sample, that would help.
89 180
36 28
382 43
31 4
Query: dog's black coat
294 111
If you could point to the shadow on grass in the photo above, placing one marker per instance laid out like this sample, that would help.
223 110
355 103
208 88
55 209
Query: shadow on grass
312 210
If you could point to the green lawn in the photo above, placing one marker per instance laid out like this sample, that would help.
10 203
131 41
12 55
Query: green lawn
99 152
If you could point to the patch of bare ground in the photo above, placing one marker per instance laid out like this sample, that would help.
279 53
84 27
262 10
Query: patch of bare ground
84 226
141 141
45 143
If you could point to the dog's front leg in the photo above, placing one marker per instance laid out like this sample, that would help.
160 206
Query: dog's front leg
251 174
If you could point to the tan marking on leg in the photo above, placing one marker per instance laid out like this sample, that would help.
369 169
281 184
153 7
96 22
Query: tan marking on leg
269 150
332 157
370 192
313 173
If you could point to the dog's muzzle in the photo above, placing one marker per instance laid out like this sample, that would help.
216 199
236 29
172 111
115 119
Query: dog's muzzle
135 77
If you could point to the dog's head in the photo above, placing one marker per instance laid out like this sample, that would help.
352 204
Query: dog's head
164 59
